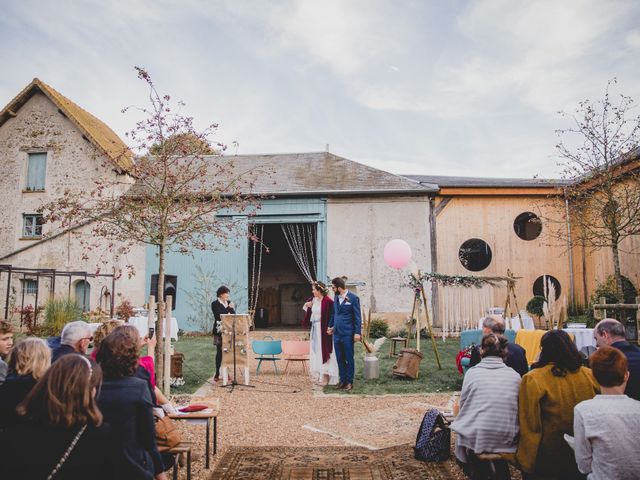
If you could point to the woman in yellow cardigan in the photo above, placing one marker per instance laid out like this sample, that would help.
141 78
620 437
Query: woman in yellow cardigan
548 393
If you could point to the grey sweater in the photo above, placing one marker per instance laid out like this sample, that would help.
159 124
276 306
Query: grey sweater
488 418
605 434
3 371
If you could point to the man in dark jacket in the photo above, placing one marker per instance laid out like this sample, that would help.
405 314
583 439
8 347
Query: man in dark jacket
610 332
75 338
516 357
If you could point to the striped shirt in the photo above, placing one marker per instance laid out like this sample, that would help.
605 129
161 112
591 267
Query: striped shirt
488 418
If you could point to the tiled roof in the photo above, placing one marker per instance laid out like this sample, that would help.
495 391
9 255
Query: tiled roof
321 173
447 181
96 131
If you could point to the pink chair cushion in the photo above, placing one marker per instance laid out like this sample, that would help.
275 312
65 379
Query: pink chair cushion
295 347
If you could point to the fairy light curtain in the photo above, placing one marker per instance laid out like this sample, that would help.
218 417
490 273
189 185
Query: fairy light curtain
302 243
256 268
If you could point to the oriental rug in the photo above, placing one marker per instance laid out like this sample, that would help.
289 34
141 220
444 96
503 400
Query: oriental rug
329 463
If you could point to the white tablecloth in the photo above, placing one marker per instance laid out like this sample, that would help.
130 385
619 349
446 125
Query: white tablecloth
142 324
583 336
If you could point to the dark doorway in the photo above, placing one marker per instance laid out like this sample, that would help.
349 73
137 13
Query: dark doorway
282 288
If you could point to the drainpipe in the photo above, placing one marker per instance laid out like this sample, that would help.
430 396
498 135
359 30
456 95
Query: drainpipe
570 248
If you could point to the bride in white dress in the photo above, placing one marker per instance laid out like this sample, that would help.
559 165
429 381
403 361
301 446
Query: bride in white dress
322 358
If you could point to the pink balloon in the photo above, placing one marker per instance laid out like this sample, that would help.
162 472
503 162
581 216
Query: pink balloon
397 254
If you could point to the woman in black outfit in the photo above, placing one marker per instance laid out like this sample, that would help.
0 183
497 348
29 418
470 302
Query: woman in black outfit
125 402
63 435
220 306
28 361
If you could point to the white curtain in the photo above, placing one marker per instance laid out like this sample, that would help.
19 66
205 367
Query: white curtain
461 308
301 240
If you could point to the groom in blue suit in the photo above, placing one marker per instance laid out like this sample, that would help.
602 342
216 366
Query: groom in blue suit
344 325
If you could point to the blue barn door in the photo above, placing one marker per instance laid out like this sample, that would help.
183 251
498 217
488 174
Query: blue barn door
202 272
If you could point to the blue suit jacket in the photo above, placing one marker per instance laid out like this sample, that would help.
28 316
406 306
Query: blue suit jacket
346 319
632 352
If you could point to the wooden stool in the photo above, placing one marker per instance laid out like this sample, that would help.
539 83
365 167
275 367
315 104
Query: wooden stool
182 447
393 348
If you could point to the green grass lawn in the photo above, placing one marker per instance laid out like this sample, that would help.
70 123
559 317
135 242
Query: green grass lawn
430 379
199 362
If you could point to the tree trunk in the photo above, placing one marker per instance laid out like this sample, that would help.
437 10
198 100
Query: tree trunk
159 360
617 274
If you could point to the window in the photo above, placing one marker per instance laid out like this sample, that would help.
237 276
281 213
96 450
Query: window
36 170
32 227
29 286
527 226
475 254
83 295
543 284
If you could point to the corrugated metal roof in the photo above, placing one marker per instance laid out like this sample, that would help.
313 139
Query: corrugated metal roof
449 181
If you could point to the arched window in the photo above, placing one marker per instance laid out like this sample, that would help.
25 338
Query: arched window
539 285
82 291
528 226
475 254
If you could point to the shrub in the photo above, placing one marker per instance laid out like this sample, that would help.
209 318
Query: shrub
124 310
378 328
29 319
401 333
58 312
607 289
535 305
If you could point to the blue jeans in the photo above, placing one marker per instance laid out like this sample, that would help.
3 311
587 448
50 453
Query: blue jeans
344 355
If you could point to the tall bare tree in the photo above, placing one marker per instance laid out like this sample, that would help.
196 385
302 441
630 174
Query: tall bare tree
170 199
600 161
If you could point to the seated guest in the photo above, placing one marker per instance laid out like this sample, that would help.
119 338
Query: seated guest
125 402
610 332
75 338
104 329
28 361
63 436
6 342
548 394
516 356
488 418
607 426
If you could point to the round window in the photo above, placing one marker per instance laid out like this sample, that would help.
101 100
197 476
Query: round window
527 226
475 254
544 284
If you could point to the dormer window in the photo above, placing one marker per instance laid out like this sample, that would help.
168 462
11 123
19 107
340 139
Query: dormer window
36 172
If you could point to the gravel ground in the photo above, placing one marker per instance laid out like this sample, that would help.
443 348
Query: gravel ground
274 412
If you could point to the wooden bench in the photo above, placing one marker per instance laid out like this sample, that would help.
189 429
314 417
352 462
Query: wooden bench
181 448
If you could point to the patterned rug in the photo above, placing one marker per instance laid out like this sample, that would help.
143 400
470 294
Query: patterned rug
328 463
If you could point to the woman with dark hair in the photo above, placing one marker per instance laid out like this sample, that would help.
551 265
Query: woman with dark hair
323 365
125 402
548 395
220 306
63 436
488 417
28 361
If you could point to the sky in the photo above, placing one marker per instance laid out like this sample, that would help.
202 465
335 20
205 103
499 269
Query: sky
467 88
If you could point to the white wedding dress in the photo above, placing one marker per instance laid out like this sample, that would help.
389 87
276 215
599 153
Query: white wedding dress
316 367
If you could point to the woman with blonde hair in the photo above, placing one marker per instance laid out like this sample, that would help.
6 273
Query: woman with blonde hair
63 436
323 365
27 363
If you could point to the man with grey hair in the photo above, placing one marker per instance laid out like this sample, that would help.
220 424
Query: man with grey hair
610 332
75 338
516 356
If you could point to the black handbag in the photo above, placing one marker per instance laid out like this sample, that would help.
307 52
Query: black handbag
433 443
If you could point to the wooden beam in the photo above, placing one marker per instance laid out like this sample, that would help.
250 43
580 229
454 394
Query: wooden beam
433 237
443 203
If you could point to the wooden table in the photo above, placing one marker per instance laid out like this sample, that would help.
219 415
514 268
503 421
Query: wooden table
209 417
